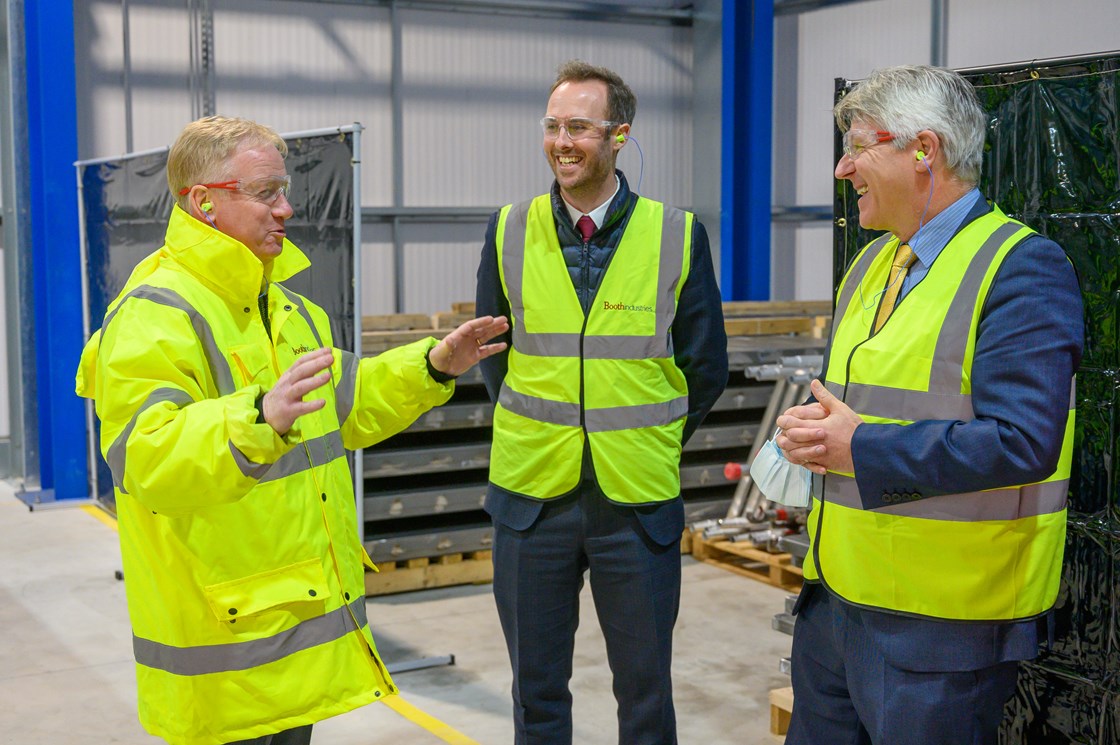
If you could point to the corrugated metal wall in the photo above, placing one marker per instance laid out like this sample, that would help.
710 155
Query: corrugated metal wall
853 39
473 87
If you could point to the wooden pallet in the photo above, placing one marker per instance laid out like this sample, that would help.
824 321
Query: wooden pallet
781 706
472 568
746 560
764 318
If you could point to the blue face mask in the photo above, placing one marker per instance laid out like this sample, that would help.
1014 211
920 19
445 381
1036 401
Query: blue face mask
778 479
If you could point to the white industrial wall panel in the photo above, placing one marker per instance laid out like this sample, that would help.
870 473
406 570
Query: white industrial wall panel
853 39
159 49
475 87
301 66
441 262
378 271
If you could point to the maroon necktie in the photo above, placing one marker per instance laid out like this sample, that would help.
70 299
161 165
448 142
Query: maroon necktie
586 226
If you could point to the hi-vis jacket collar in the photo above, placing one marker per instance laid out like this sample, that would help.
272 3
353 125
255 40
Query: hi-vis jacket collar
224 261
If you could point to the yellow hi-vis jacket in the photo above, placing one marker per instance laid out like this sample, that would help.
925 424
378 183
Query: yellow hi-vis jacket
242 563
609 376
993 555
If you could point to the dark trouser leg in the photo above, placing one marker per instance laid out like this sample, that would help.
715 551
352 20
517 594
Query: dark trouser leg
636 585
823 710
295 736
538 574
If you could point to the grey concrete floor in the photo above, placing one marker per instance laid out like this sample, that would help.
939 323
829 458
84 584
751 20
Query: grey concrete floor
67 678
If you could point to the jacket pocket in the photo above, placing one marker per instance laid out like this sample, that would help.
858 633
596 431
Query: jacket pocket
253 364
296 583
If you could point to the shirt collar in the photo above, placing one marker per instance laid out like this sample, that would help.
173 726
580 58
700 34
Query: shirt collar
599 214
932 237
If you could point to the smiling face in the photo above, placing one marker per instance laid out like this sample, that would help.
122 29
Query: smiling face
583 168
890 195
257 224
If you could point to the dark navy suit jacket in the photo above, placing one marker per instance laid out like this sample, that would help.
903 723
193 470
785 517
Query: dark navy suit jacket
699 345
1028 345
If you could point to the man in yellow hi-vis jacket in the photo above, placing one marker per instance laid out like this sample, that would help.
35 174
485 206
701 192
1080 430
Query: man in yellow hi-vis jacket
235 501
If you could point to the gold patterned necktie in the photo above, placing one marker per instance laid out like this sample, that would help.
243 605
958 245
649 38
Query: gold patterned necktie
903 258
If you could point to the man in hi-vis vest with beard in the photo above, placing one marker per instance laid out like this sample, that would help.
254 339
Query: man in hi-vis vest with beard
617 352
940 436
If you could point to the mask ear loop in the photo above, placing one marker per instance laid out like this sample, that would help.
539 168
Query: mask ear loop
868 305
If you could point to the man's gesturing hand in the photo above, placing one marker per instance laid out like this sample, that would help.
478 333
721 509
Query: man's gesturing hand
466 345
284 403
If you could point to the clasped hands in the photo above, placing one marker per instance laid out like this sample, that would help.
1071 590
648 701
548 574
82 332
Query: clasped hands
453 355
818 435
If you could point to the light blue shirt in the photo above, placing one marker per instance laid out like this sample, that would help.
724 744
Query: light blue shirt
932 237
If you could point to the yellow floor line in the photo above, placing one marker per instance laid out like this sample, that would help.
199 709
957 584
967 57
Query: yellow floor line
396 703
101 515
428 722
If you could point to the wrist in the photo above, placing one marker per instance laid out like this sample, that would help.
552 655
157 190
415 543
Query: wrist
436 374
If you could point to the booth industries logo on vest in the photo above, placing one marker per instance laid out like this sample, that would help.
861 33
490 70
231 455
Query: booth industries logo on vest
608 305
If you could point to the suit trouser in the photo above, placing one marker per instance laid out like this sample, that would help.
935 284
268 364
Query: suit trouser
635 583
295 736
846 692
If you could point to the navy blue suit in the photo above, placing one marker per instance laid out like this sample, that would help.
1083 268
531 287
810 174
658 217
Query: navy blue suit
543 548
863 676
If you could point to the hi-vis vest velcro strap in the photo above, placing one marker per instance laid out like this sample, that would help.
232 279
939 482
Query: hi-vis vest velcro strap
224 658
609 419
657 345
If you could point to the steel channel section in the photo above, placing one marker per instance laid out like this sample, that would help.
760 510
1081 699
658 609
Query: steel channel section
441 543
53 147
748 82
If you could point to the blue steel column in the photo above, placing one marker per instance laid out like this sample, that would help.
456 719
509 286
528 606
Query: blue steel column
748 75
52 149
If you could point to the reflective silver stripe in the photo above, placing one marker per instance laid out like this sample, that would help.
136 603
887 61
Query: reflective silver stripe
219 365
996 504
633 417
607 419
911 406
856 277
347 384
544 345
299 304
658 345
224 658
948 356
539 409
305 456
627 347
115 456
513 266
248 468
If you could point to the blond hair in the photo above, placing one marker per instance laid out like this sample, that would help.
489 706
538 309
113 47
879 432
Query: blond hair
201 153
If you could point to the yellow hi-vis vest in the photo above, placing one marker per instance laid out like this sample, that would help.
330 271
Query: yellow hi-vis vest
609 377
994 555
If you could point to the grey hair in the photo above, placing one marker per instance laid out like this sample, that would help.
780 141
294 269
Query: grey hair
906 99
